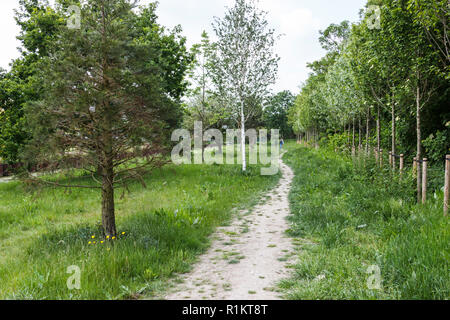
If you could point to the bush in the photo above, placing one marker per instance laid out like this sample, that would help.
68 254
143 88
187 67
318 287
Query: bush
437 145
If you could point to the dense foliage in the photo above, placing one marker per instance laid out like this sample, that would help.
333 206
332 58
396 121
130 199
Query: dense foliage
384 83
41 26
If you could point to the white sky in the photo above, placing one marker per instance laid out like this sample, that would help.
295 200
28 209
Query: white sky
299 21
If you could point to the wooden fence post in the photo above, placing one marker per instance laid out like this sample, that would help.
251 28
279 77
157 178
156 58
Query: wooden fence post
376 154
381 157
424 180
447 184
402 163
414 166
390 158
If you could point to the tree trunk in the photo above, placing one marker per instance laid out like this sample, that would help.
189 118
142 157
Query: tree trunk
378 128
359 133
107 165
99 170
244 164
316 138
348 136
419 147
108 214
393 134
367 130
353 142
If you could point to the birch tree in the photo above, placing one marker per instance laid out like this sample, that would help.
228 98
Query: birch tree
244 61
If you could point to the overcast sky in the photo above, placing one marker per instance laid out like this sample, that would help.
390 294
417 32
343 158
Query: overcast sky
299 21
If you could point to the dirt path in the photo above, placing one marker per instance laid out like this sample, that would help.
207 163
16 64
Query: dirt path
247 258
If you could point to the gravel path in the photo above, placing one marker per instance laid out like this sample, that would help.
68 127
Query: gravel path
247 258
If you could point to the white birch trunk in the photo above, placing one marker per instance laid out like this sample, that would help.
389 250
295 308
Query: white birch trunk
244 164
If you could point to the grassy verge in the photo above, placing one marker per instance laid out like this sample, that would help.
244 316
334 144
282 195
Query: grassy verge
165 227
348 217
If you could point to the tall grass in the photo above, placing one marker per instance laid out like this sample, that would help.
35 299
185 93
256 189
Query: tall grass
348 216
166 226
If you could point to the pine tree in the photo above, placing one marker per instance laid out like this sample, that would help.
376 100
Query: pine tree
106 105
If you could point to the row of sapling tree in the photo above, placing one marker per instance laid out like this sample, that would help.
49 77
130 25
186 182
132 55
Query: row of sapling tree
110 94
388 76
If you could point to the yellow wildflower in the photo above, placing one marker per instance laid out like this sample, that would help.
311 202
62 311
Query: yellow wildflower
89 242
123 233
107 237
113 238
93 237
101 241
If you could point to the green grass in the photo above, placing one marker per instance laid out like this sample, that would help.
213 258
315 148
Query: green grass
347 217
166 227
